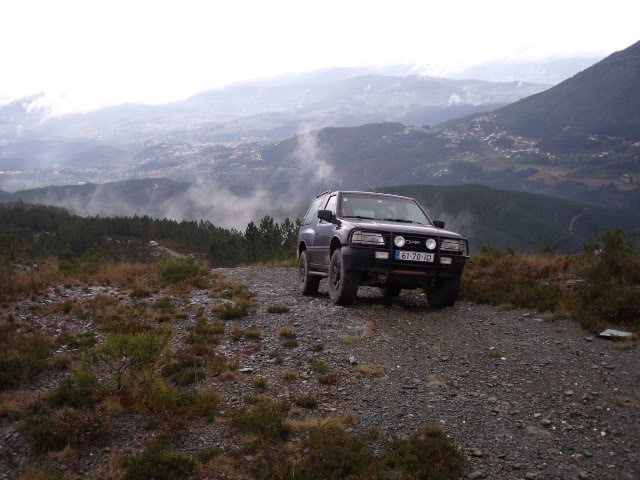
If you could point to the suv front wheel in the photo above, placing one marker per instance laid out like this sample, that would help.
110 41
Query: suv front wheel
307 284
343 284
445 293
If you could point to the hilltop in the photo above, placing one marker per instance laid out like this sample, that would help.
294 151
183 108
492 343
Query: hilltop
602 100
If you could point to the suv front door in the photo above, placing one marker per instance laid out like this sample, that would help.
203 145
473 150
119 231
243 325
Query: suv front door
324 232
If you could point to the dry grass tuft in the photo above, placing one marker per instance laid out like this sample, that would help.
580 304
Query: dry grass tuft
290 376
286 333
624 345
348 340
368 370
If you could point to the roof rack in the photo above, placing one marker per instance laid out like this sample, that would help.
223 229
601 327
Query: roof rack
321 194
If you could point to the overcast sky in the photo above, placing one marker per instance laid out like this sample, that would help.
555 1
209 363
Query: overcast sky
102 52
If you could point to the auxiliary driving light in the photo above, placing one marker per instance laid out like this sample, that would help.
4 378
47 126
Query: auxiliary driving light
399 241
431 244
445 260
382 255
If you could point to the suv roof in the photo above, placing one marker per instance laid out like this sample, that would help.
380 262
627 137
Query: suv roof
365 193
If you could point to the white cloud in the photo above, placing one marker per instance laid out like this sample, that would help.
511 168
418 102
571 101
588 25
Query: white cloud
90 53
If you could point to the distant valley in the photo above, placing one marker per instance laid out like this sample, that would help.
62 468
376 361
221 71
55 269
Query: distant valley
224 129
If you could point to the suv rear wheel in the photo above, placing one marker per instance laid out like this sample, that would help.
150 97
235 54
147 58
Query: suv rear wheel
445 293
343 284
307 284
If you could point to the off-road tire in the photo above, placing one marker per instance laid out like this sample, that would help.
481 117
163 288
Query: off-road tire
343 284
390 291
307 284
445 293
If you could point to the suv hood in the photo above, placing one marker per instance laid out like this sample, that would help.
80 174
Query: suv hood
401 227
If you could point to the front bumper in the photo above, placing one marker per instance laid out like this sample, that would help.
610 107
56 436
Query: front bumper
400 273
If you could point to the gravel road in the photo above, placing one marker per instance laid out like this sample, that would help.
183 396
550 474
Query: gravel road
523 398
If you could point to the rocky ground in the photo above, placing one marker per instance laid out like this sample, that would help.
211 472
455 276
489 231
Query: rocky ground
521 397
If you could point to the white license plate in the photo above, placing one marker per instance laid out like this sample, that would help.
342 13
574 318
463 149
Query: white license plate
414 256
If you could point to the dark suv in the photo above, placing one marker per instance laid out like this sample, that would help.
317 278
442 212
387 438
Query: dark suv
373 239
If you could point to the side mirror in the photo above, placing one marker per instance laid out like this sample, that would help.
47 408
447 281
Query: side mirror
326 215
438 223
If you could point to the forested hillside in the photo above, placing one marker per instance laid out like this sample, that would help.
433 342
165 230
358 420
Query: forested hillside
39 231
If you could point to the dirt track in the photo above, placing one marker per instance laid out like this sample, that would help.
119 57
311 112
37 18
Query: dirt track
557 404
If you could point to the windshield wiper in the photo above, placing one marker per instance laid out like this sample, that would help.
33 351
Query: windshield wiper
358 216
405 220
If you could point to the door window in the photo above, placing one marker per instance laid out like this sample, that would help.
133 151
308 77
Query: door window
331 205
313 210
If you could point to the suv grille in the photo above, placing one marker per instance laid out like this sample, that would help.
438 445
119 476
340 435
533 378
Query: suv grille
417 243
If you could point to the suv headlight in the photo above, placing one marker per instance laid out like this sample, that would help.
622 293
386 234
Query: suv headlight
367 238
451 244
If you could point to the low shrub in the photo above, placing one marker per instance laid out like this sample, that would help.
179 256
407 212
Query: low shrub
157 462
186 368
367 370
147 392
260 383
290 376
334 453
164 305
80 389
264 418
425 455
22 356
206 403
328 379
174 270
286 333
122 353
319 367
231 312
290 343
252 333
55 429
306 402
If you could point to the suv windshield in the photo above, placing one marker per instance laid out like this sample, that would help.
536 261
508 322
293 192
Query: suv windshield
378 207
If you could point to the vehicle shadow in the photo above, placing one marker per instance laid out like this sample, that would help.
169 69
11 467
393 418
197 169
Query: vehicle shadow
369 297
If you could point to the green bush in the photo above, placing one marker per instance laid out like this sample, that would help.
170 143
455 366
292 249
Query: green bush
334 453
231 312
426 455
164 305
175 270
265 418
132 351
319 367
80 389
146 392
55 429
22 356
157 462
